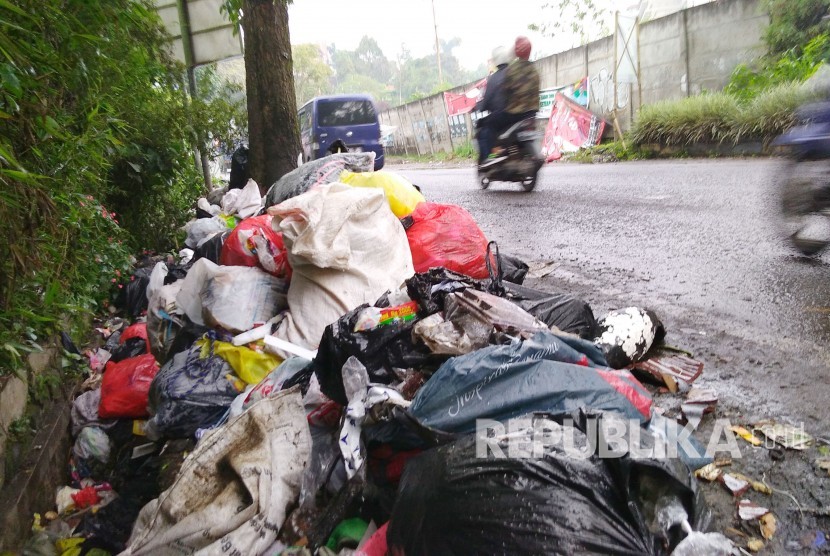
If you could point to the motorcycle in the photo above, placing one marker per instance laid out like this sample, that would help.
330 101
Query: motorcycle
805 193
520 156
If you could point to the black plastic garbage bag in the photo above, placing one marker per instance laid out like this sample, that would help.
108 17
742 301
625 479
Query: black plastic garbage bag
239 168
211 249
133 297
179 334
380 350
189 393
457 500
130 348
565 312
136 482
317 172
513 269
430 288
548 372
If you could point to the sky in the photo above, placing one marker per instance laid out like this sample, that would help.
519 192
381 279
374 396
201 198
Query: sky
481 25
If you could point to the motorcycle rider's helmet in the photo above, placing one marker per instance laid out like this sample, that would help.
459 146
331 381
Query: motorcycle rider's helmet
522 48
501 55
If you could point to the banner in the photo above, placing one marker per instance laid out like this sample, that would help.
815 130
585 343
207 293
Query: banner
577 92
464 102
570 128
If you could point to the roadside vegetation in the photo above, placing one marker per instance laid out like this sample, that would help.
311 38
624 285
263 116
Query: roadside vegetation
463 152
96 157
760 100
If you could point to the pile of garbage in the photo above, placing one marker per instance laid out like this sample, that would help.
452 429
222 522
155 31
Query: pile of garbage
343 367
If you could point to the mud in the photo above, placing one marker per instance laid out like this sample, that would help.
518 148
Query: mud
698 242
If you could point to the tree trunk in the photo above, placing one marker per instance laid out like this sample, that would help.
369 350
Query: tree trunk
273 135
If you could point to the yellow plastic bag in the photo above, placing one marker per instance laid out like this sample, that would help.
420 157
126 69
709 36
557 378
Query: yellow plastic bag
401 195
70 546
250 365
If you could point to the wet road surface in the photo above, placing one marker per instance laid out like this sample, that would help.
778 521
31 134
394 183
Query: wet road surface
698 242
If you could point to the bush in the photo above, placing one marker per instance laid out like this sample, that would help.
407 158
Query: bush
793 23
93 114
771 112
707 118
719 118
794 65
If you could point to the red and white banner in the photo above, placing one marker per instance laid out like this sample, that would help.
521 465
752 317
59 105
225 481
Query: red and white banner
570 128
464 102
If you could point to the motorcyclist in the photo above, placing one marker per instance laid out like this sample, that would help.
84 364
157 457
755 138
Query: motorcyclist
494 102
521 88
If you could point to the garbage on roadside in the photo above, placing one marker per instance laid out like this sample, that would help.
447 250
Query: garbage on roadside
316 173
451 500
768 526
254 242
244 202
254 464
313 378
125 387
625 336
788 436
738 484
400 194
234 298
748 510
190 391
345 248
744 433
672 370
698 402
446 236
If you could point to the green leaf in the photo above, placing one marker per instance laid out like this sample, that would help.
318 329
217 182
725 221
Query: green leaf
12 8
51 292
9 80
11 349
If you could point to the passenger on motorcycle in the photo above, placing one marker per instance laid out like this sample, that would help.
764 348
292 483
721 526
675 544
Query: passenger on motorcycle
494 101
521 89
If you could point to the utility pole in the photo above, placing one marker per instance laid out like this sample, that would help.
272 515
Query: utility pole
437 47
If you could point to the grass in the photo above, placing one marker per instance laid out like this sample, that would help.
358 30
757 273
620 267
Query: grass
464 151
708 118
609 152
720 117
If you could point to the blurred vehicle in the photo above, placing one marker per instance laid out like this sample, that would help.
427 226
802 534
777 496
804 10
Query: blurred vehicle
805 179
519 156
340 123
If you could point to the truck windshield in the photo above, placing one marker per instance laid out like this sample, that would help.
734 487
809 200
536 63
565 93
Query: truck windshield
334 113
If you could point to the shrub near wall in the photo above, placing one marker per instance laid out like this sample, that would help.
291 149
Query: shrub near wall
757 104
720 117
96 137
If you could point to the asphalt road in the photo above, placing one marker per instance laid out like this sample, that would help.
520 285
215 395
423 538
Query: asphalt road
698 242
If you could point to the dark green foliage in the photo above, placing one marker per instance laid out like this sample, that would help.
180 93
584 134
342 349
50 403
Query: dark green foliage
96 137
793 23
758 103
794 65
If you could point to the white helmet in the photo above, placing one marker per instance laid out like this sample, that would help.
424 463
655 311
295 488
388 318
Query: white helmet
502 55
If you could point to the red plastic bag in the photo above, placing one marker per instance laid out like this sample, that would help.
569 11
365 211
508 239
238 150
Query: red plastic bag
446 235
126 386
376 545
137 330
255 243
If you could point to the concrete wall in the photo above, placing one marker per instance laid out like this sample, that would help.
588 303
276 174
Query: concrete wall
681 54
